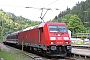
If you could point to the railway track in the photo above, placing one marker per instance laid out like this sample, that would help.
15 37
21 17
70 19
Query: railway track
87 46
24 53
81 46
81 53
35 56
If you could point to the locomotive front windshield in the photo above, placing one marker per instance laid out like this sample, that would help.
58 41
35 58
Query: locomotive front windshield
57 28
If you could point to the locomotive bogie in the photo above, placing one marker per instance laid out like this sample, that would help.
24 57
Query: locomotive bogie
58 51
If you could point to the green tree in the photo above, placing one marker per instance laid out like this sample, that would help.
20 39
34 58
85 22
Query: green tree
10 23
74 23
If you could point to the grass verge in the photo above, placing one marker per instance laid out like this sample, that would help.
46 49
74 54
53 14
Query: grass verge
7 55
11 56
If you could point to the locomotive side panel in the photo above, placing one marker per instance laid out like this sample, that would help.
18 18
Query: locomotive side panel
34 37
29 36
21 37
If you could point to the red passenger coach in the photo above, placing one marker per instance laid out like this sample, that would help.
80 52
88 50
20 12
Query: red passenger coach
50 38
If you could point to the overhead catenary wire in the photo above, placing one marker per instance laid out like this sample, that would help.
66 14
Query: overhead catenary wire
51 3
47 10
42 13
42 16
44 6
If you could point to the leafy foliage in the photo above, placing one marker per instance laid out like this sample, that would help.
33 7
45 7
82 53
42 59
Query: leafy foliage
11 23
73 22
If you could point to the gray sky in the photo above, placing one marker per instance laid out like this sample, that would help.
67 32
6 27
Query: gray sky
17 7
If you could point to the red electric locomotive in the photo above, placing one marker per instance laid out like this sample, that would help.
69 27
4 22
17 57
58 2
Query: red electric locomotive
50 38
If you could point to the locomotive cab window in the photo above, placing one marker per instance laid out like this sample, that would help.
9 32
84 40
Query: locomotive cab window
53 29
57 28
62 28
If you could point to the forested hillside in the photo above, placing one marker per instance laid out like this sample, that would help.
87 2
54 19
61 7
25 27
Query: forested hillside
82 11
10 23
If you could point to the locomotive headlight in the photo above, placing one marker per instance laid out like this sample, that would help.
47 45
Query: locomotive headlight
66 42
53 47
66 38
52 38
58 34
52 42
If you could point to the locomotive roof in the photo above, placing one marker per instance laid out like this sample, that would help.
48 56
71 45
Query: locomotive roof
36 26
42 24
55 23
